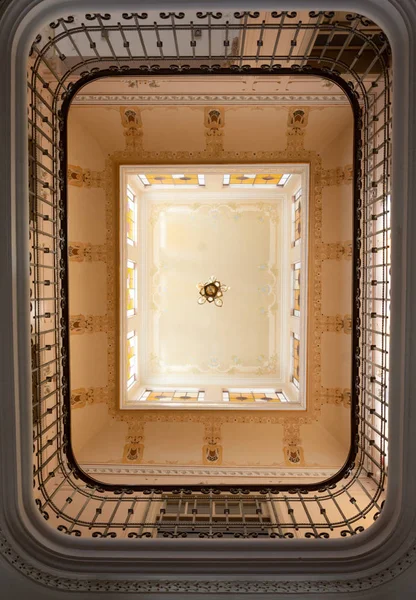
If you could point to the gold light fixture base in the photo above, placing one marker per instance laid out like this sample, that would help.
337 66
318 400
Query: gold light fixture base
212 291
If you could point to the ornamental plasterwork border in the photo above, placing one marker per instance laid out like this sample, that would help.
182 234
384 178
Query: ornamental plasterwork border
79 324
336 176
84 251
160 99
270 210
79 177
80 397
212 431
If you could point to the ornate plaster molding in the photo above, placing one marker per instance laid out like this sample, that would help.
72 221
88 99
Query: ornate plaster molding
338 396
204 99
214 585
212 448
221 417
134 446
335 323
334 251
84 251
307 472
79 177
336 176
79 324
82 396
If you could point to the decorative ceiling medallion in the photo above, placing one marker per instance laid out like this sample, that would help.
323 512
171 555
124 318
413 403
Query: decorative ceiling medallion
212 291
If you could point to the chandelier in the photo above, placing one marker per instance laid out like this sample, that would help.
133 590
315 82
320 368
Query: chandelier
212 291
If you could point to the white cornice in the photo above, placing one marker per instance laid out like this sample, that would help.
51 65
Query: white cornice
203 99
162 471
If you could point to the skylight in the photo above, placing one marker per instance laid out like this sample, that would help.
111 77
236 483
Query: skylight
172 180
179 353
247 395
256 179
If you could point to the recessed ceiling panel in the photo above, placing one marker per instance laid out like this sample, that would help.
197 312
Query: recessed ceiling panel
241 245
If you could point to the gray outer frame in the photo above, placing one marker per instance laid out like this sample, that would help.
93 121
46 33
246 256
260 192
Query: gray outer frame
209 567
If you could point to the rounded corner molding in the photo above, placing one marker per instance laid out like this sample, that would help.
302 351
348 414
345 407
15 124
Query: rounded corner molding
204 586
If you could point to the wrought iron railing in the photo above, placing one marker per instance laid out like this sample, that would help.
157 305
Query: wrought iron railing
346 48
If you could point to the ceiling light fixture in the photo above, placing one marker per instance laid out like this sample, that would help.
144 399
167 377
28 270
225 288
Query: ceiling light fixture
212 291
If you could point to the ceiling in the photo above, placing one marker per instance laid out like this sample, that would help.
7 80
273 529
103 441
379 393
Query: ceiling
241 237
179 134
240 243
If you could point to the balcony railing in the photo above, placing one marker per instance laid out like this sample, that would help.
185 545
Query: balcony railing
349 50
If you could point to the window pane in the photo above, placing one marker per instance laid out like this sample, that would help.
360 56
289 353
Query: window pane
296 218
131 288
131 359
295 360
296 289
131 217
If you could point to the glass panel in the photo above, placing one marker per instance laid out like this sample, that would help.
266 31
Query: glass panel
174 179
285 178
248 396
131 288
296 289
295 359
177 396
296 218
131 358
256 179
131 217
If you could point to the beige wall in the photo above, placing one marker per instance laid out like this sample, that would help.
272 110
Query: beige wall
99 140
253 443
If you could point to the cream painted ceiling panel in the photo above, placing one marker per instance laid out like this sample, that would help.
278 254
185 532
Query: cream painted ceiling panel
337 213
173 128
255 128
336 287
94 132
339 151
174 443
105 445
237 248
323 449
252 444
88 204
88 360
337 419
83 147
86 423
88 288
336 360
324 127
